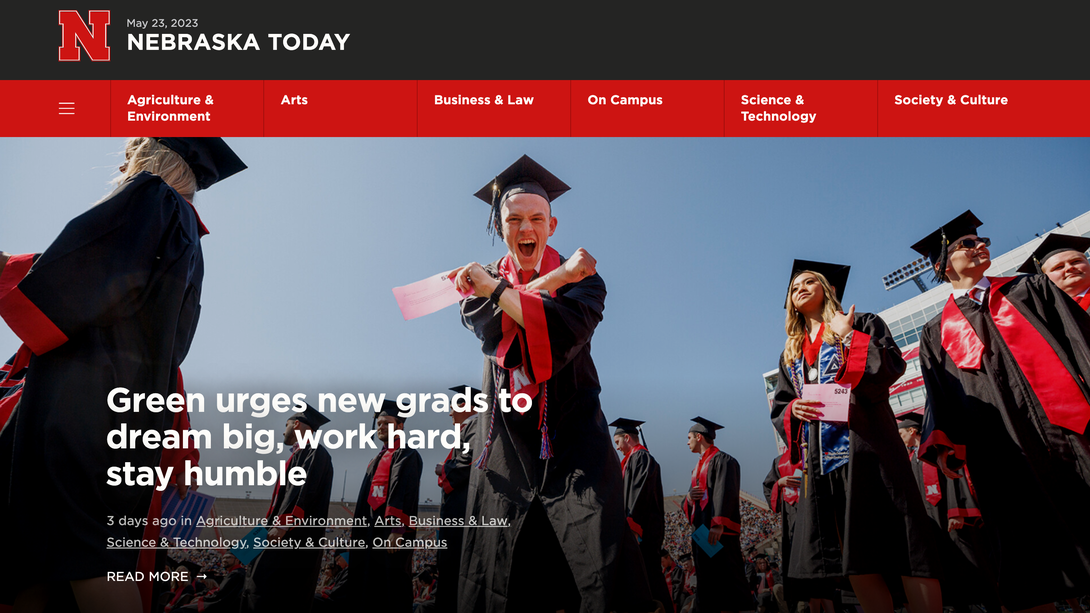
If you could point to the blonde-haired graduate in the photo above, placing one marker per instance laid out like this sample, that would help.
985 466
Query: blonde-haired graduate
112 303
860 515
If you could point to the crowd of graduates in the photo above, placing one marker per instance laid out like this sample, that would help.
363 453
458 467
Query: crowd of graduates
759 525
951 501
942 509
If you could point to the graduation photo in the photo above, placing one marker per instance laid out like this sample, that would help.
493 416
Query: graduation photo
539 374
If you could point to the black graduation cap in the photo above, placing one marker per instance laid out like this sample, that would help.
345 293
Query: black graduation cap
209 157
910 420
462 388
312 418
934 245
525 176
630 427
1052 245
705 427
685 556
389 407
835 274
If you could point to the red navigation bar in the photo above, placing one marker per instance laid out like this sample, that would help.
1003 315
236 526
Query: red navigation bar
545 108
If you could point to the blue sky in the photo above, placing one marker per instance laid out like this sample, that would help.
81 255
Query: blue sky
694 238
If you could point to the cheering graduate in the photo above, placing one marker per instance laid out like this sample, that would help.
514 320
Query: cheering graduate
1006 365
284 575
113 302
380 560
859 512
1063 258
453 476
713 509
549 471
967 574
643 501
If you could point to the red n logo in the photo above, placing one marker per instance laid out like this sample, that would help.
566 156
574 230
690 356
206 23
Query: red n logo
92 39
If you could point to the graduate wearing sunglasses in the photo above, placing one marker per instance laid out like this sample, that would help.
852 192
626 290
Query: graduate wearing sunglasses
859 513
1006 365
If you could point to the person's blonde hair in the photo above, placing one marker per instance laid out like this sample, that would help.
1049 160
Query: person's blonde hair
795 326
144 153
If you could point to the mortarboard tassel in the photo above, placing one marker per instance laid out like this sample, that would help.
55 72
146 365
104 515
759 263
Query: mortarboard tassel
940 266
494 214
644 438
482 460
546 444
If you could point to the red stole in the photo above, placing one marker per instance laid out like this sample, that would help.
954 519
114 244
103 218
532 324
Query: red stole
536 353
624 460
700 473
930 480
444 482
1084 301
785 468
381 481
810 350
9 378
1059 394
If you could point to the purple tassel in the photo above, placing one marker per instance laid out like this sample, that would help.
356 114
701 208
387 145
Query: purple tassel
546 444
482 460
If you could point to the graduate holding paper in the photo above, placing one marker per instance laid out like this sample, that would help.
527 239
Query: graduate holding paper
550 471
712 507
859 513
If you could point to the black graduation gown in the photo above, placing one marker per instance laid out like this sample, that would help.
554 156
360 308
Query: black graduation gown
382 579
720 579
11 389
113 302
675 582
647 515
284 579
1026 471
861 517
786 511
572 501
794 589
455 484
968 577
225 599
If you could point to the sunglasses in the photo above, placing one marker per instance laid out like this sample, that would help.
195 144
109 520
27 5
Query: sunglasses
969 243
